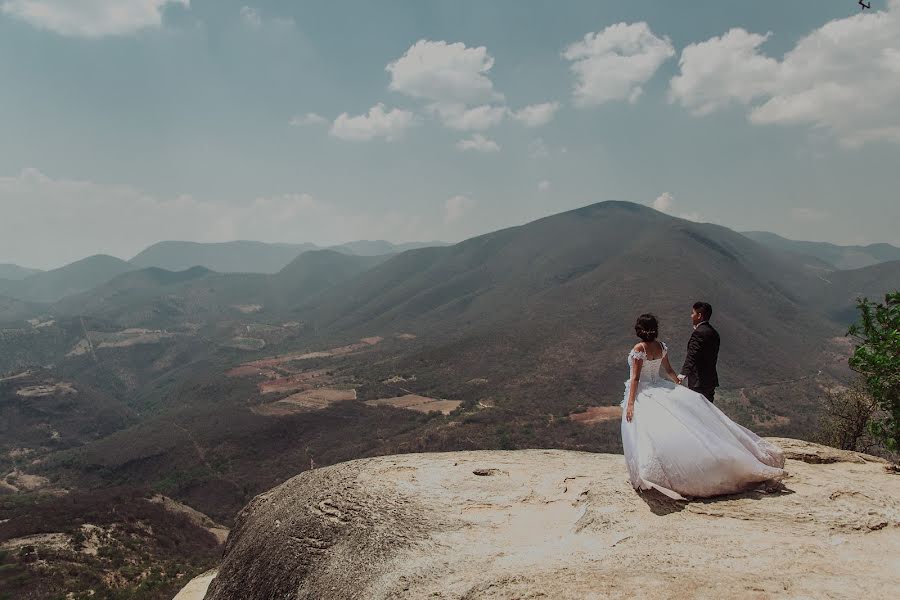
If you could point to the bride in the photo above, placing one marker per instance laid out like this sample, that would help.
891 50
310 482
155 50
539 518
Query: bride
678 442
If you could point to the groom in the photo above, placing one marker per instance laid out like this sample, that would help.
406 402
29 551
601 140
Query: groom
702 353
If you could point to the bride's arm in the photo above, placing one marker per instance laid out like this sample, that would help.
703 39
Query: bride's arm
636 365
669 370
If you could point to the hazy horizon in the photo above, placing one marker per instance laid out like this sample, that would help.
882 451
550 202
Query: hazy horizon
274 121
329 246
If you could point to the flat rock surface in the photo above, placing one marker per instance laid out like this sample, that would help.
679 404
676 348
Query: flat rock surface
196 588
559 524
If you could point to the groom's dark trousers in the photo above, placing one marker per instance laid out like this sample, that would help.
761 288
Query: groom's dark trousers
700 362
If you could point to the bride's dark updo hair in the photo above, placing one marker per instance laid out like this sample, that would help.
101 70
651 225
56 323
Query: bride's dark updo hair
647 327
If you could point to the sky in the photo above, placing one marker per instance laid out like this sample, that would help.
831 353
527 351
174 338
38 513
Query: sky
127 122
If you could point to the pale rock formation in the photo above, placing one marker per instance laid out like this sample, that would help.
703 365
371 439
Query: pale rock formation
563 525
196 588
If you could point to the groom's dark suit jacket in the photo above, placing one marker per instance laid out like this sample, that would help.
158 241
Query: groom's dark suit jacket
700 363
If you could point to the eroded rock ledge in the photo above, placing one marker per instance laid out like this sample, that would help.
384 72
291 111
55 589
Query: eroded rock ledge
559 524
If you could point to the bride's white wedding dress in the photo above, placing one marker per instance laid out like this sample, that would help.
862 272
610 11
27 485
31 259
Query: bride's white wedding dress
682 445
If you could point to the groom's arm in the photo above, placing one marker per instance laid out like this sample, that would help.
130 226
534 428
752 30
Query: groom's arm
693 355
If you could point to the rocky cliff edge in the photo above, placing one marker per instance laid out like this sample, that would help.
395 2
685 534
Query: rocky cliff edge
559 524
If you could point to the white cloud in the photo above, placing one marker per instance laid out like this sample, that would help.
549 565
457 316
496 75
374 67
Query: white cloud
807 214
253 19
390 125
454 80
664 202
843 77
457 207
614 63
90 18
543 185
536 115
479 118
309 118
444 73
251 16
479 143
722 70
538 149
48 222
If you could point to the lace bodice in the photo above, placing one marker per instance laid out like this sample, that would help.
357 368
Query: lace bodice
650 368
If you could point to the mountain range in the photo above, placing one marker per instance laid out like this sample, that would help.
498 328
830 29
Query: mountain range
253 257
154 297
10 271
76 277
549 288
837 257
31 285
243 256
225 257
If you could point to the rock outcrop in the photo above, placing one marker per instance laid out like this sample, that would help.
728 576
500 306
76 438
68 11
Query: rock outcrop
558 524
196 588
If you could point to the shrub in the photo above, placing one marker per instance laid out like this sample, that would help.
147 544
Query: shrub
846 417
876 358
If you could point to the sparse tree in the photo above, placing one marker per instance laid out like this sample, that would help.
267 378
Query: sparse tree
876 357
845 422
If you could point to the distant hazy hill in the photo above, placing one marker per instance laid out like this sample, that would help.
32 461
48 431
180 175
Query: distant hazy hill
315 271
157 297
12 309
839 291
377 247
152 297
225 257
840 257
252 257
10 271
79 276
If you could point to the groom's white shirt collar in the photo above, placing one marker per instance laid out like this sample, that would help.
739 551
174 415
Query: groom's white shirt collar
700 323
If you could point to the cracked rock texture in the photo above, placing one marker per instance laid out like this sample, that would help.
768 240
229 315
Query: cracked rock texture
558 524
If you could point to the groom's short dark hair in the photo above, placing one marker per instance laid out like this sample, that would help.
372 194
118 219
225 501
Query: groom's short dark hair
704 309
